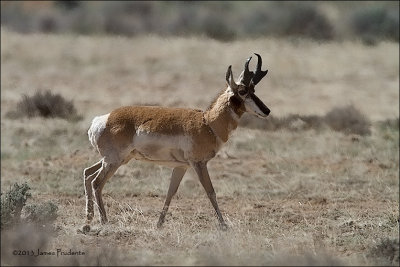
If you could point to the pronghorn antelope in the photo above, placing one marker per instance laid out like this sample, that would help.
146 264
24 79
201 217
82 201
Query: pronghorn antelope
176 137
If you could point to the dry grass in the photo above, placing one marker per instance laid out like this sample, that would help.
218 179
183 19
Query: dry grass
311 197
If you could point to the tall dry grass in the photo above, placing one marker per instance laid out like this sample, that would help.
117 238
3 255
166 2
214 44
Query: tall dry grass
305 78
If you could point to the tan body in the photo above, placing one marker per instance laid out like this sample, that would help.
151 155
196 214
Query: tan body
170 136
175 137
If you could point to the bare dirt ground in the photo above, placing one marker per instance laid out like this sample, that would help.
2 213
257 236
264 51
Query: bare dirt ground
314 197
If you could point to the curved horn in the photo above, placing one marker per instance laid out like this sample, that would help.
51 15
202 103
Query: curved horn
259 74
246 67
247 75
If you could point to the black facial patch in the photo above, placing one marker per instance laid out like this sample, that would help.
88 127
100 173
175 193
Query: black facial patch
236 101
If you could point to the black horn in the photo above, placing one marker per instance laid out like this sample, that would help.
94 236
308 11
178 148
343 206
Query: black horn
247 74
259 74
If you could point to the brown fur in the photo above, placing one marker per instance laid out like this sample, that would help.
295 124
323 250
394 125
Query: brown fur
219 115
203 127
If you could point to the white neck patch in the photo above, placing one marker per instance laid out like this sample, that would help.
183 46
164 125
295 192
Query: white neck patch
229 91
233 114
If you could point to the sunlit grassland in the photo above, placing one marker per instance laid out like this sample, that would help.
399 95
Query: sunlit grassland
306 197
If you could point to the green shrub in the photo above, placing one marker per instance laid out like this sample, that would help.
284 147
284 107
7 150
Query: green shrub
47 105
12 203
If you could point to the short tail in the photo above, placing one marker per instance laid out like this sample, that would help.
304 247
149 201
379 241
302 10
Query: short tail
96 129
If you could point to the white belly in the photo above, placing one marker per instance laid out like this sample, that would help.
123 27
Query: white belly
161 149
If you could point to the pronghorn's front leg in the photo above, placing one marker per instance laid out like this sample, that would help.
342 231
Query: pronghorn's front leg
105 172
176 178
204 177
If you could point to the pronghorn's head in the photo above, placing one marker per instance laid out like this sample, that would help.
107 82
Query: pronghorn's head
243 90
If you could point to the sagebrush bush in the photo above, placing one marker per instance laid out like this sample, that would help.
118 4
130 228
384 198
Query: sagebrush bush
304 20
392 124
349 120
344 119
45 104
375 23
12 203
216 28
386 252
222 20
291 122
42 213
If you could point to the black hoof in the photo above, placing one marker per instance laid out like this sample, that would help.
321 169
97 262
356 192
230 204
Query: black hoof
223 227
86 228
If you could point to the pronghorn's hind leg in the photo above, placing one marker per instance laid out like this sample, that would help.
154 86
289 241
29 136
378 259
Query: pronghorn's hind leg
92 169
88 175
176 178
105 172
204 177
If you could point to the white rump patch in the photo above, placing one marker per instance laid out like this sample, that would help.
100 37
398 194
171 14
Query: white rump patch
97 128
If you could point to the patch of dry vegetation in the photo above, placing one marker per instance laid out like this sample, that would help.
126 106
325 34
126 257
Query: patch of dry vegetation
44 104
304 78
347 119
387 252
225 21
296 195
15 212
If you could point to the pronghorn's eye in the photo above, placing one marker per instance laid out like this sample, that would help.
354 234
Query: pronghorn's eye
242 92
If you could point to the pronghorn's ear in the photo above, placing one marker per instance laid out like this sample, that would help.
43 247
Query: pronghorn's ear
229 79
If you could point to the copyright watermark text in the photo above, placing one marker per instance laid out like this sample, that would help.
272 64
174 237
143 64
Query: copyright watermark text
38 252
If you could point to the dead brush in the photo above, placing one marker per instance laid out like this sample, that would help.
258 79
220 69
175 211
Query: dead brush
42 213
386 252
349 120
45 104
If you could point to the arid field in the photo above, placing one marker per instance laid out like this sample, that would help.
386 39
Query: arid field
292 196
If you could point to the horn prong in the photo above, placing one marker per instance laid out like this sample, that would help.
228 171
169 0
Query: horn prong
246 74
259 74
259 61
246 65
